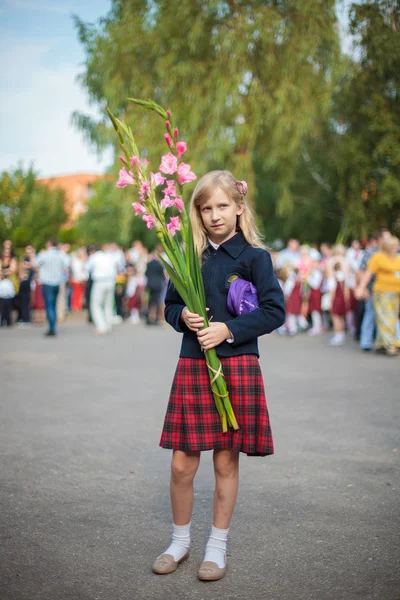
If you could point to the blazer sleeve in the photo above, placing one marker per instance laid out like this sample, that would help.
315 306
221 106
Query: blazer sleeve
174 306
271 312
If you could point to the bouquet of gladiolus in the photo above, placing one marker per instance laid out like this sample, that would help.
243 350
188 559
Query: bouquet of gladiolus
176 236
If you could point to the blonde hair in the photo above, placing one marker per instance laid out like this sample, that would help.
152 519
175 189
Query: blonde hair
203 191
390 244
338 250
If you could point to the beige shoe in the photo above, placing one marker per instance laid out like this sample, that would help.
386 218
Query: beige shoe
165 563
210 571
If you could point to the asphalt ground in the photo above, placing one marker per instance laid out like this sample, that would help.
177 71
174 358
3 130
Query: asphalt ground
84 488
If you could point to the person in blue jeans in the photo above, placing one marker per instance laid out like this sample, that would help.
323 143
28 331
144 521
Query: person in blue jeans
50 293
367 331
52 264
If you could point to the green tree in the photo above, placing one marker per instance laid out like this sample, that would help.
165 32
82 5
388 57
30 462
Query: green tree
110 218
368 122
249 82
29 211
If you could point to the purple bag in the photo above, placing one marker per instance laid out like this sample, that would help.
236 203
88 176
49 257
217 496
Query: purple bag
242 297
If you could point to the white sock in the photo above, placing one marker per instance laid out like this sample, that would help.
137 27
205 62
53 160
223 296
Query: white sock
316 320
302 322
216 546
180 541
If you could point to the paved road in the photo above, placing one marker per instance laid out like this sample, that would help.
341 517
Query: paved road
84 494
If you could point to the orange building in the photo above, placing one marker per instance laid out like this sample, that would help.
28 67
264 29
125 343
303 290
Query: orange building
77 188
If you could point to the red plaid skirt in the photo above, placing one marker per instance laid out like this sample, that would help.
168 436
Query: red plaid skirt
192 421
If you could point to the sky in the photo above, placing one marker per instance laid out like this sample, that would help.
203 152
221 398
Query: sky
40 58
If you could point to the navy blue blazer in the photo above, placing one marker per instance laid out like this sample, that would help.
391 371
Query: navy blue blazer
235 257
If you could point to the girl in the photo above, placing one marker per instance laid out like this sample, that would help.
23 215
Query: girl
134 297
339 303
314 280
230 247
293 290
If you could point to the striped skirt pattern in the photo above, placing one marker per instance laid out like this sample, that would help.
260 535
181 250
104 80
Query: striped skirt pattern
192 421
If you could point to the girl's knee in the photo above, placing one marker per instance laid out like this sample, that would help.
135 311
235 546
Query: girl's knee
184 467
226 463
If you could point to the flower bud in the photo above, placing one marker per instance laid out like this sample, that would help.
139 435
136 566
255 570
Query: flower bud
176 133
168 125
169 140
168 114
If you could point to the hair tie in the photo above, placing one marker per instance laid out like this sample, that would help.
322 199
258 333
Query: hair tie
242 187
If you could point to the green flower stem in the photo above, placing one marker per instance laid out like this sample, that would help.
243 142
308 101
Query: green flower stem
183 265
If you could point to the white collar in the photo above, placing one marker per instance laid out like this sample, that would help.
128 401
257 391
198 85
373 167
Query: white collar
215 246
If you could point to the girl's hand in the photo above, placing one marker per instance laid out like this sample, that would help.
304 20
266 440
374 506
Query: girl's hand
213 335
192 321
359 293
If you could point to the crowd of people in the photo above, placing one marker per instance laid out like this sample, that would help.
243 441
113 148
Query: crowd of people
351 291
354 290
110 284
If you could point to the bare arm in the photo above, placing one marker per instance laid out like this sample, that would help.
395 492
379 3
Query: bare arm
361 289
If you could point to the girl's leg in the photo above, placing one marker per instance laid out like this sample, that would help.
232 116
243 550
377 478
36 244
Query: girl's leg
350 320
316 321
291 324
338 328
226 469
184 467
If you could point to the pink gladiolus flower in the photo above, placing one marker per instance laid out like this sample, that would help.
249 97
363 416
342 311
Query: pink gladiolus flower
122 159
176 133
139 208
125 178
145 162
179 203
169 164
170 189
144 189
185 174
157 179
168 139
149 220
135 161
173 225
167 202
181 148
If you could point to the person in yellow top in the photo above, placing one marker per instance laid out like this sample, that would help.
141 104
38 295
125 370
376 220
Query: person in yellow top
385 265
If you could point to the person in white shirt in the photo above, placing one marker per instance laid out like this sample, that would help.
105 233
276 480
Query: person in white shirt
7 294
290 256
52 264
79 277
103 270
63 306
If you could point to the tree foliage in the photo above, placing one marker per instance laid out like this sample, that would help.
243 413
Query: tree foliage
110 218
29 212
261 88
368 113
249 82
